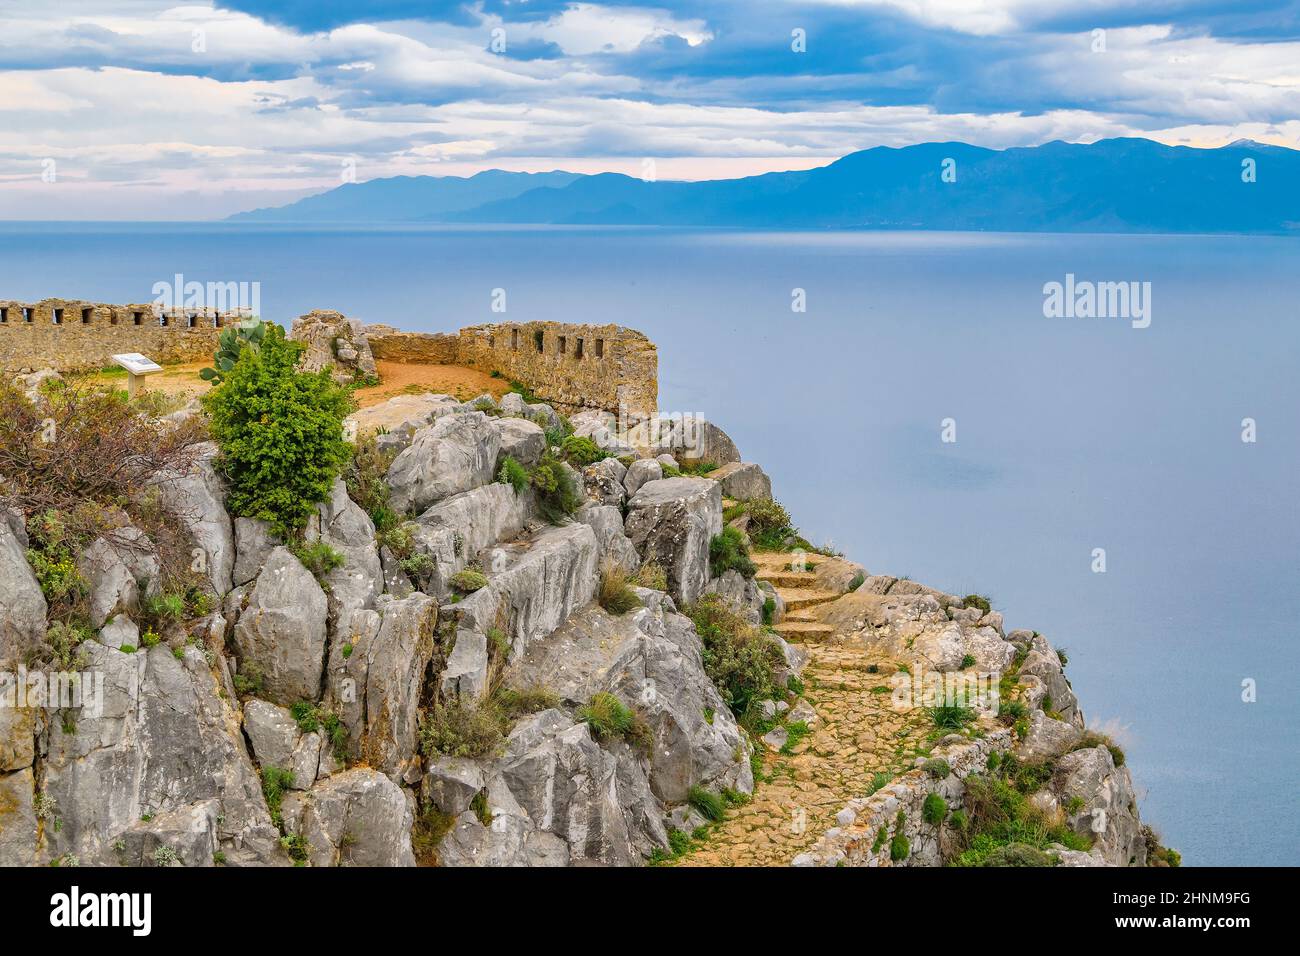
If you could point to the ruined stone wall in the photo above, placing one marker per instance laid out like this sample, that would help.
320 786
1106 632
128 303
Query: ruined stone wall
75 335
570 366
388 344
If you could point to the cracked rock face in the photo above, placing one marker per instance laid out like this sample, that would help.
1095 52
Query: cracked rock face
165 756
672 521
455 454
282 631
1108 812
355 818
119 571
197 500
651 659
22 605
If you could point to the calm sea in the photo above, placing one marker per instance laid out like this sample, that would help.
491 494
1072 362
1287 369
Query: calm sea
1071 434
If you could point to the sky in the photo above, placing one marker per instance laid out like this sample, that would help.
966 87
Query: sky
148 109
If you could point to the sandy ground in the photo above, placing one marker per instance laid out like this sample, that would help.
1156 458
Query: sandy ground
395 378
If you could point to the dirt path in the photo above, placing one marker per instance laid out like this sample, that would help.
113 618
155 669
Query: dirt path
182 382
857 735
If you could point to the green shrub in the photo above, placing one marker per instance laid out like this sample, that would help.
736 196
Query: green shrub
275 782
934 809
728 551
615 594
899 848
609 718
366 476
1018 854
280 432
881 836
739 658
1009 711
461 729
977 601
581 451
558 495
318 557
968 661
513 703
857 582
652 575
468 580
711 806
959 821
950 716
769 610
937 767
514 474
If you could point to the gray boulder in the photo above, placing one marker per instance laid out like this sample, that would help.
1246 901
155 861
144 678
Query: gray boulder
688 438
119 570
672 521
1108 812
1047 737
651 659
451 783
355 818
162 742
743 594
603 481
282 631
1044 663
19 833
742 481
641 471
396 661
459 529
196 499
455 454
254 542
395 422
522 440
278 742
607 522
22 605
344 526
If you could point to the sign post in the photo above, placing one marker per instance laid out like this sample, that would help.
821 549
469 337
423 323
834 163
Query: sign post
137 367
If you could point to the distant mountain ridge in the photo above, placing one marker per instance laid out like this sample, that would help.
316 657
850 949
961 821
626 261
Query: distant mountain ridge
1114 185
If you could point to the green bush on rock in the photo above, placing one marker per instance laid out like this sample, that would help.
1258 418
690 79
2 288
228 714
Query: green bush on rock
280 432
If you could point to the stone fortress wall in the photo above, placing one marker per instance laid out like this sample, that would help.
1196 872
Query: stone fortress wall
568 365
72 335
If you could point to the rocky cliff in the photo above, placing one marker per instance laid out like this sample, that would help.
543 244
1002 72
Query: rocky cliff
643 678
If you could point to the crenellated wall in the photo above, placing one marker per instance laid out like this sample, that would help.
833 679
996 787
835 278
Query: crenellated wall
75 335
568 365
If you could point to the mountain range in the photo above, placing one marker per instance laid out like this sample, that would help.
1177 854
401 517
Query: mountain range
1112 185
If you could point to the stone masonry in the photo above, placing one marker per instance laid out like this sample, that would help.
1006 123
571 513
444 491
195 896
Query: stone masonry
71 335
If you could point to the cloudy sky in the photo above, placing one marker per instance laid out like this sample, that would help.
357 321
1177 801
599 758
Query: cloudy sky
145 109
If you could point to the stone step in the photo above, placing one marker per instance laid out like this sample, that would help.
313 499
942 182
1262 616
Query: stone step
789 579
804 630
796 598
805 614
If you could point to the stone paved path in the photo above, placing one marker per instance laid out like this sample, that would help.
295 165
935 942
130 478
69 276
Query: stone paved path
858 734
